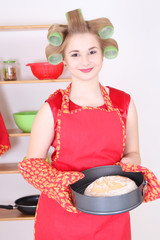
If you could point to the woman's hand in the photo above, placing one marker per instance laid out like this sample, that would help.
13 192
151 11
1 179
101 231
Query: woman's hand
131 158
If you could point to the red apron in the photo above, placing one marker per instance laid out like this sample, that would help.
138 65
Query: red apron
84 138
4 138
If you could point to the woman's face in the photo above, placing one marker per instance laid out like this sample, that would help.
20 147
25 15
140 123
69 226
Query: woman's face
83 56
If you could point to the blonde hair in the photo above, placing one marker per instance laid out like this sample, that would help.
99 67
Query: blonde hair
77 24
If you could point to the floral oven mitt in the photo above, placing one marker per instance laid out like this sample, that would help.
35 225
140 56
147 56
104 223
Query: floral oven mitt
50 181
153 184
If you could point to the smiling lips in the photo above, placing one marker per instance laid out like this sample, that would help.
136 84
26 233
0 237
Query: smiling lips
86 70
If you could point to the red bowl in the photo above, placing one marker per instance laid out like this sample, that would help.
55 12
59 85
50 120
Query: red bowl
45 70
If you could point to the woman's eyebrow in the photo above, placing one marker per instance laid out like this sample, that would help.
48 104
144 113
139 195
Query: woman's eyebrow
78 50
73 51
91 48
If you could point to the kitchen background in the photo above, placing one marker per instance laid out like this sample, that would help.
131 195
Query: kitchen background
136 70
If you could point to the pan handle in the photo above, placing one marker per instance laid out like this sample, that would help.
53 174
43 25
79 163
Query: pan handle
7 206
145 189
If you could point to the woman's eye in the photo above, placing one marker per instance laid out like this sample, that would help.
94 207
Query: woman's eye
92 52
75 55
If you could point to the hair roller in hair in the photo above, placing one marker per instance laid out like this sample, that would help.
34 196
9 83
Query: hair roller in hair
76 22
56 34
110 49
110 52
55 58
101 26
106 32
55 38
76 10
53 54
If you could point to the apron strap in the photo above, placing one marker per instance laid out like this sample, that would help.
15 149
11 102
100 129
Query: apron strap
107 99
66 93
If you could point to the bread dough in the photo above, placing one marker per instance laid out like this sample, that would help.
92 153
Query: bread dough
110 186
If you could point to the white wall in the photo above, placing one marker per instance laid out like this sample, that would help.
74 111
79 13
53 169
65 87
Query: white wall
136 70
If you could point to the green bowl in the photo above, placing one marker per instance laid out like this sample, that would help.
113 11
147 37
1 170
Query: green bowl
24 120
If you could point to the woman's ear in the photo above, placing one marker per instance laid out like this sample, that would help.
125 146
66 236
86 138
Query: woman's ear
64 62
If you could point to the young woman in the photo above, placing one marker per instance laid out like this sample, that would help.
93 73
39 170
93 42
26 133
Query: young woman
89 125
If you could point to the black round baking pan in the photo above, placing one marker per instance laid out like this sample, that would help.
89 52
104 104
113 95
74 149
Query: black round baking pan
107 205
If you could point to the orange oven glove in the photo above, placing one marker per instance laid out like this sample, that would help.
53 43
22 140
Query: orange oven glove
50 181
153 184
4 139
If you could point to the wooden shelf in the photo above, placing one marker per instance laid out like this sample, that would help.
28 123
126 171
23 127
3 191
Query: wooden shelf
17 133
8 168
36 81
25 27
14 214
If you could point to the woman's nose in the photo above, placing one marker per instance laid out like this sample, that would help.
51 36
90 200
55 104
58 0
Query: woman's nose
85 60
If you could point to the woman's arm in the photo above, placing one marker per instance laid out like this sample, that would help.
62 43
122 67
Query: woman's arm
131 153
42 133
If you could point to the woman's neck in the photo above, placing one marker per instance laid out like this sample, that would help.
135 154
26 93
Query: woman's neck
86 93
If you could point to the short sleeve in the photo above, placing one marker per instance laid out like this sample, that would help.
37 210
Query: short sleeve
120 100
55 101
